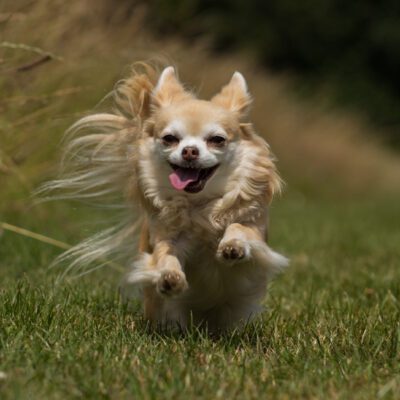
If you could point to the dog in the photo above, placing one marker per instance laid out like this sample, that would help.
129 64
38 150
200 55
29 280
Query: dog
200 181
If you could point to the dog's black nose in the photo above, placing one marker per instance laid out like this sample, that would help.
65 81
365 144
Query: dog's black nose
190 153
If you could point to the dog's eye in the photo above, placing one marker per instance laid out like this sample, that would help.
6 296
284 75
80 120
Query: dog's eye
169 140
216 140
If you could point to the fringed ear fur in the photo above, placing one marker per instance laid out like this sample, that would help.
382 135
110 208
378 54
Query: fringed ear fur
234 96
132 95
168 89
246 131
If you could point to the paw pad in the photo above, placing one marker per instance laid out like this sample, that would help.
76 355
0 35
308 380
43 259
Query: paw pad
232 250
171 283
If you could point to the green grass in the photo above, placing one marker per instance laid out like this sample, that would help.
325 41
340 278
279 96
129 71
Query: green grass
331 323
330 327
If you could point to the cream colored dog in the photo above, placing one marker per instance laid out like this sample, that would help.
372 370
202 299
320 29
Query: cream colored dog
202 180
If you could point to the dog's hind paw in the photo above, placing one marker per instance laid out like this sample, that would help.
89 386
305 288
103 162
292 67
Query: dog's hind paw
171 283
233 250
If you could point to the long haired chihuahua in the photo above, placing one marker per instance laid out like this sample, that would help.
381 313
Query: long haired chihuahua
196 180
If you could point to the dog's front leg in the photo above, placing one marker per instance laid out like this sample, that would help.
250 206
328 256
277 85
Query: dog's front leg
172 279
159 272
243 242
235 244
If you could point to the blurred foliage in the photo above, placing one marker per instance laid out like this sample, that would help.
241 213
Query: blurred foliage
59 60
348 48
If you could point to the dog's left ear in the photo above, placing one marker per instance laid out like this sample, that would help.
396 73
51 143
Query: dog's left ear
168 89
234 96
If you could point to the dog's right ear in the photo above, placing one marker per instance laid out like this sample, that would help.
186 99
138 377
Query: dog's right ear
168 89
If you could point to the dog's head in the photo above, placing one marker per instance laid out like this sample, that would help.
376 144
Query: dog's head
195 140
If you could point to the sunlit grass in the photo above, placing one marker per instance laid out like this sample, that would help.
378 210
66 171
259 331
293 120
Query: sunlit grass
330 327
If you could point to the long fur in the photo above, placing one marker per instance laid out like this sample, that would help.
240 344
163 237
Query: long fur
110 160
96 168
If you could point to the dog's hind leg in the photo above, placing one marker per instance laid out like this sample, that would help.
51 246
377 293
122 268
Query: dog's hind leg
152 304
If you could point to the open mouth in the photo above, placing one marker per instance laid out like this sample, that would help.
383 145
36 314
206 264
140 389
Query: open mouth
191 180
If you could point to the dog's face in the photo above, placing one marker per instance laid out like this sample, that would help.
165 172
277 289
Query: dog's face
196 140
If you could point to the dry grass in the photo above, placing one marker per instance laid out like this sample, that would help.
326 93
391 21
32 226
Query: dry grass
92 47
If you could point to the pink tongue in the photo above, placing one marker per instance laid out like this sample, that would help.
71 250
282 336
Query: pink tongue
181 177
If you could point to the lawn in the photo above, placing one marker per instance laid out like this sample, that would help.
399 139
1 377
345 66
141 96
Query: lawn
330 328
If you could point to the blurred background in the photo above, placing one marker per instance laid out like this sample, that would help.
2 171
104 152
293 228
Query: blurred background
323 73
325 79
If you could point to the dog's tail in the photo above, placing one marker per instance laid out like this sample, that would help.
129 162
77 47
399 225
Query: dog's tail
97 165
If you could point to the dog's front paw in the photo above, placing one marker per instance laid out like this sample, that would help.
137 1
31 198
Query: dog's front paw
233 250
171 283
